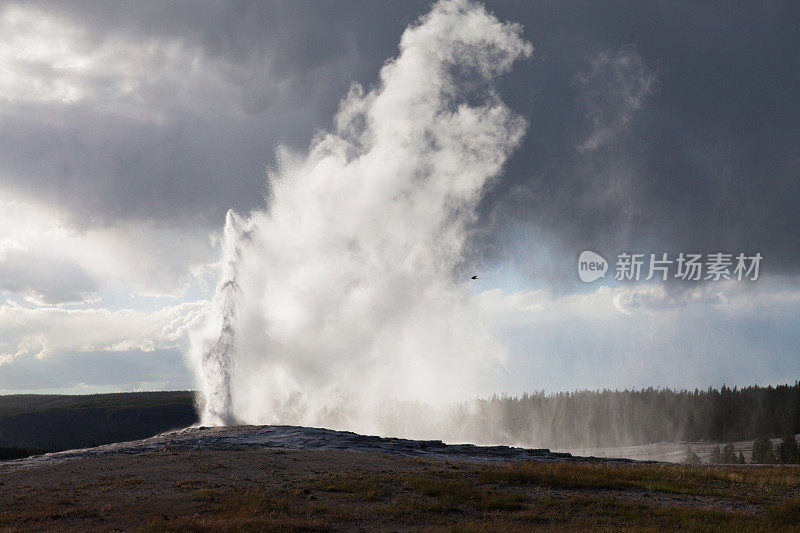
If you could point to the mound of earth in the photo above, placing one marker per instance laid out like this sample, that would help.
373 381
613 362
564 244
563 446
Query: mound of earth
300 438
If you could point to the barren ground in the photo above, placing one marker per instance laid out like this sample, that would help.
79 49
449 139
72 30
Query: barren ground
267 488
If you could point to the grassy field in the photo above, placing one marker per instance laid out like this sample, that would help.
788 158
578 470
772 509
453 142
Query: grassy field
319 490
521 497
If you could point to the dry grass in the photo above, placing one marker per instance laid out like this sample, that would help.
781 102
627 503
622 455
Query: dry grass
370 487
116 481
191 484
323 491
518 497
755 484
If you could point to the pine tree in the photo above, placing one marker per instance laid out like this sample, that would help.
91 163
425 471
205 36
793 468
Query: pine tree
716 456
769 457
762 451
759 449
741 458
729 454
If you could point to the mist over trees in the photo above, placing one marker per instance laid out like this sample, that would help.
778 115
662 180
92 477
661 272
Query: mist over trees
726 455
631 417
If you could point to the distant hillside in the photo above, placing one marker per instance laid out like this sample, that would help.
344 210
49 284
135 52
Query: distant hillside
37 423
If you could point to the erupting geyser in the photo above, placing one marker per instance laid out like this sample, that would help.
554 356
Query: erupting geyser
340 296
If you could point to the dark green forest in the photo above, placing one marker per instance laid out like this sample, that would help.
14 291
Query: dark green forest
33 423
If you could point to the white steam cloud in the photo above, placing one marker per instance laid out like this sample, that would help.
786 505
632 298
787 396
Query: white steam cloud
345 293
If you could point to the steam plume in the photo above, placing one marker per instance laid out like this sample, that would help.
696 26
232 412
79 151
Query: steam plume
342 295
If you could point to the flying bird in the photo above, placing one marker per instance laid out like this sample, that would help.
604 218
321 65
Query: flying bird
474 277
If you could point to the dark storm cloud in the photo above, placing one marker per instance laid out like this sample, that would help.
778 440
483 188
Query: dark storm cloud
185 145
701 154
707 160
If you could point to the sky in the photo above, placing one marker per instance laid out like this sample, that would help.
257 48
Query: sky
128 130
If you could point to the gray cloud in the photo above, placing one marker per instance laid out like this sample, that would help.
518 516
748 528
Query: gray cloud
707 162
181 130
88 372
642 336
171 111
45 280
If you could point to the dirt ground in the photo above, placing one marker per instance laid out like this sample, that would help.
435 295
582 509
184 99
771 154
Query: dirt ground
270 489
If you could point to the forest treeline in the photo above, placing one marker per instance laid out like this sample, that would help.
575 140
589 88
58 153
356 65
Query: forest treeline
631 417
763 452
583 419
36 423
